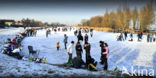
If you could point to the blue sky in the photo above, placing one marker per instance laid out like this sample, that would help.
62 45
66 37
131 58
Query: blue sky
68 12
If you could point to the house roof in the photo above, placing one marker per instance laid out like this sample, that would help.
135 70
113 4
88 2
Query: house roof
3 20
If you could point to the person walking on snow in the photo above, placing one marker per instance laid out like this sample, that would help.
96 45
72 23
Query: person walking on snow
65 40
70 50
79 50
106 55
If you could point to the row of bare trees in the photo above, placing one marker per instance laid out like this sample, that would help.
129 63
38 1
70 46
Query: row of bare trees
123 18
31 22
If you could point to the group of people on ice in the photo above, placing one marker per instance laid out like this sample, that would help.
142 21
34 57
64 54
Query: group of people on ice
58 29
123 36
12 47
31 32
151 37
77 32
77 61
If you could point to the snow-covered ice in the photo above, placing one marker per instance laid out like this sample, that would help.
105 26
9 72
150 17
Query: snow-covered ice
124 53
127 54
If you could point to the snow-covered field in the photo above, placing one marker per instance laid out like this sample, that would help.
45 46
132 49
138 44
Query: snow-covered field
141 55
131 55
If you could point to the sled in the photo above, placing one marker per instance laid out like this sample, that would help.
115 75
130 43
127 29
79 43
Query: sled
60 65
92 67
45 62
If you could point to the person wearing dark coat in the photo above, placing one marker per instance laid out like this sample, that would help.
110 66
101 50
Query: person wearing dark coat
80 38
47 32
79 50
86 38
106 55
125 33
91 32
102 48
75 33
87 49
77 62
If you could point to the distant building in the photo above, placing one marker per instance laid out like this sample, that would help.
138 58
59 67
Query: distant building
18 23
7 22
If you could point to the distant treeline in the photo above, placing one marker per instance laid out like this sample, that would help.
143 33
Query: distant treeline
123 18
27 23
34 23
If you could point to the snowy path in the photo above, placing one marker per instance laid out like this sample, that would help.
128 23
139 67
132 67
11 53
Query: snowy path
125 53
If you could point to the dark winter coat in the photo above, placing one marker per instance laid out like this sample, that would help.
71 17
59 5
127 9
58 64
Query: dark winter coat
80 37
86 38
102 47
79 48
104 55
77 62
87 48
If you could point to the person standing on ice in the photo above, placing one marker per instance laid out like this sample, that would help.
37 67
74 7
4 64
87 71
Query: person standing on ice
151 37
106 55
79 50
86 38
121 37
87 48
91 32
80 37
131 36
47 32
58 46
65 40
154 37
102 48
125 33
75 33
55 30
148 37
70 50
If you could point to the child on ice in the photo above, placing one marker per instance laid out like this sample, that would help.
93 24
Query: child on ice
58 46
